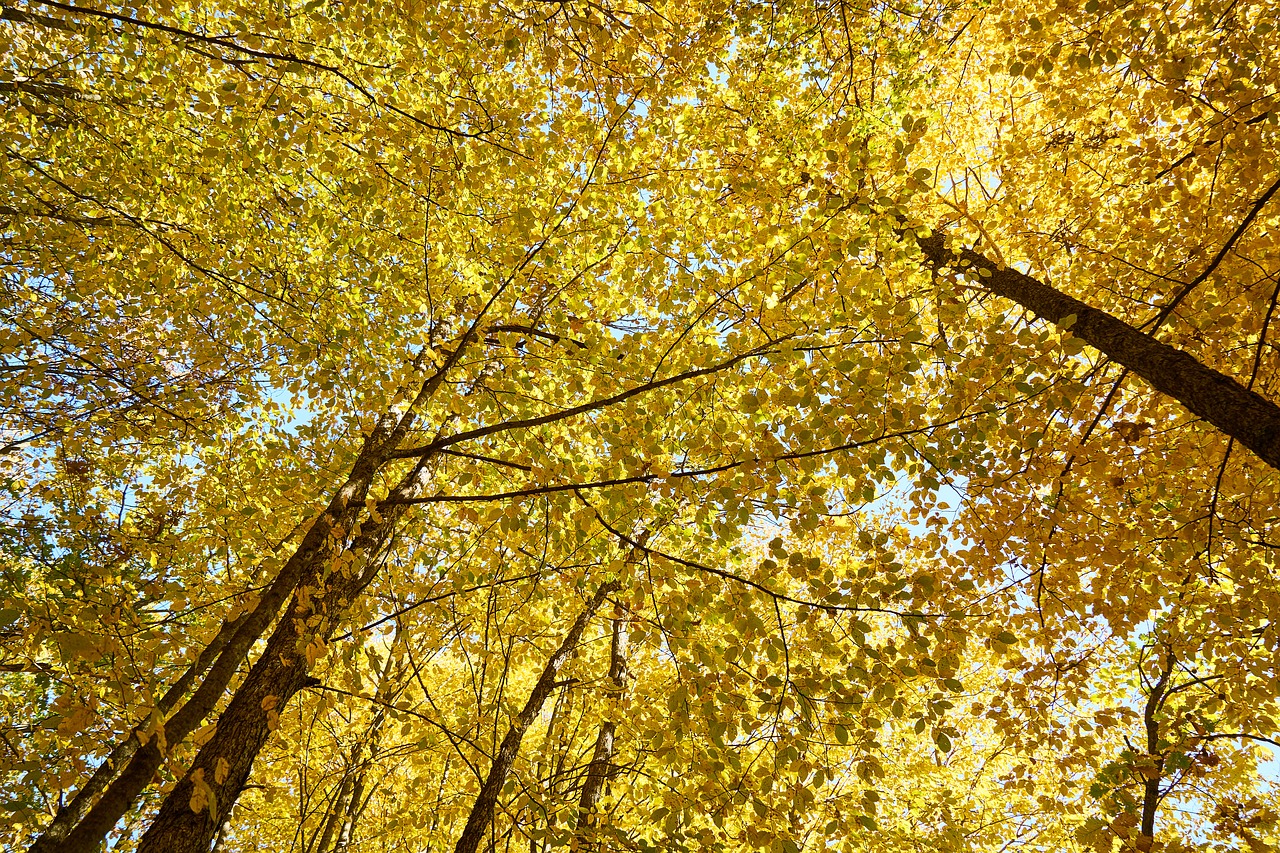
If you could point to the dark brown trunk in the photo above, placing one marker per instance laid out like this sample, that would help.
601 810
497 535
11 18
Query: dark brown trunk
223 764
482 811
279 666
1155 755
316 549
71 812
597 775
1239 412
1150 802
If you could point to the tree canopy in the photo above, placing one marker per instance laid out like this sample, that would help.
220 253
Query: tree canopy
629 425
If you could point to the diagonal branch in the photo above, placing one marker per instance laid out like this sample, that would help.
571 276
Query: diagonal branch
591 406
235 47
482 811
1237 411
776 596
1182 294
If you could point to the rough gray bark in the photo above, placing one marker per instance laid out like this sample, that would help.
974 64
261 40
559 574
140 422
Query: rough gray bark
482 811
1239 412
600 769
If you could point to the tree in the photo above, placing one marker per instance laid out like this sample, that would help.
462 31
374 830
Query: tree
324 321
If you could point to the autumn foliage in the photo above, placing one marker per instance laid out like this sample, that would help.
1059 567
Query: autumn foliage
701 425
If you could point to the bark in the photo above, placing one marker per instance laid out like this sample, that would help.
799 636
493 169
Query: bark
1241 413
317 548
224 763
71 812
355 806
133 780
350 809
336 812
279 665
1151 784
38 88
600 769
18 16
482 811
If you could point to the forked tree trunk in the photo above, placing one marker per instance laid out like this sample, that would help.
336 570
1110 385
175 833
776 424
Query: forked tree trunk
222 766
482 811
277 675
1241 413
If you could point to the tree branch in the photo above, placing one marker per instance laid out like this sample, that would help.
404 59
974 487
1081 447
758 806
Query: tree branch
1250 418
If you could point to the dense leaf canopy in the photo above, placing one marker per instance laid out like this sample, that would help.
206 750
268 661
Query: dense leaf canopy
701 425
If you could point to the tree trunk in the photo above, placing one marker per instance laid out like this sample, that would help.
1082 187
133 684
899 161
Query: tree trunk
600 769
222 766
1241 413
1153 774
482 812
318 546
76 808
354 807
348 812
304 569
336 811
